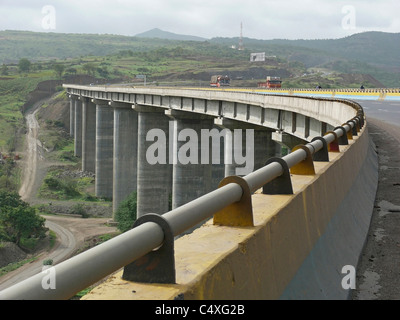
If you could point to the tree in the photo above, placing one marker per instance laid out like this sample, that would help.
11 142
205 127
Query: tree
59 70
71 71
126 213
18 220
89 68
24 65
6 170
4 70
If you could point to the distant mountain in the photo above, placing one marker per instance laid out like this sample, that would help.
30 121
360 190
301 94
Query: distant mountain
50 45
161 34
375 48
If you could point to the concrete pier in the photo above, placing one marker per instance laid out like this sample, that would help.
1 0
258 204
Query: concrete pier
264 148
258 145
104 149
88 136
78 128
125 152
72 115
153 179
189 181
218 169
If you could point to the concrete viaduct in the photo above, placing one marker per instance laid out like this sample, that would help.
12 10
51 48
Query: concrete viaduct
290 229
110 126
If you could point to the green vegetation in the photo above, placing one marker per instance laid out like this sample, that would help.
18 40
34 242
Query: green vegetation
48 262
9 175
19 222
52 238
13 94
24 65
59 186
15 266
126 213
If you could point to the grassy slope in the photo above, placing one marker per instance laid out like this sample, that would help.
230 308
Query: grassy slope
13 94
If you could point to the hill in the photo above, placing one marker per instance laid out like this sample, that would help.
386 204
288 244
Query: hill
375 48
160 34
369 53
373 53
15 45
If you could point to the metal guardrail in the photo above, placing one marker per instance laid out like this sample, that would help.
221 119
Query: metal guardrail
89 267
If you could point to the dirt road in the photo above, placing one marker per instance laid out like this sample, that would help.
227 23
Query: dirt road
71 232
32 154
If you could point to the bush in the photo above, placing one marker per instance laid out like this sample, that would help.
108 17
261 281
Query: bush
48 262
126 213
80 210
68 187
71 188
53 183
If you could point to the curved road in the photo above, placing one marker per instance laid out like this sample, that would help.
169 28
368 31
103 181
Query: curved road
378 273
71 232
65 239
66 246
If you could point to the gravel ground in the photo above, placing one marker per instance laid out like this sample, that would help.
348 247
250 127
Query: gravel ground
378 273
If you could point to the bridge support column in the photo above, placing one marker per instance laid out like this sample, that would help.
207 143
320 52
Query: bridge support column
104 149
261 148
287 140
78 128
153 177
218 170
72 115
264 148
88 136
125 152
231 165
189 181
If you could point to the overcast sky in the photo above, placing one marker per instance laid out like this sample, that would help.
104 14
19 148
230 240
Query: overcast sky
262 19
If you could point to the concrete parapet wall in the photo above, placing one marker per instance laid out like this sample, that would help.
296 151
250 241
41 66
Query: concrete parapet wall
357 94
295 250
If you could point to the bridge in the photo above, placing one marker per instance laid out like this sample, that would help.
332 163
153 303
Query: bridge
238 227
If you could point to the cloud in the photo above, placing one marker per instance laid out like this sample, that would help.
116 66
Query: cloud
262 19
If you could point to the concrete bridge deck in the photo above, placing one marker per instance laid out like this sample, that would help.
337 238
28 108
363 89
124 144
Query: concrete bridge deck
297 244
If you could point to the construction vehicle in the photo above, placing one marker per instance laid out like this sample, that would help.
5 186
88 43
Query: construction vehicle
271 82
220 81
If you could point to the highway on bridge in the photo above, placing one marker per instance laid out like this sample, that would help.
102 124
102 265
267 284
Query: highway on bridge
388 111
378 274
